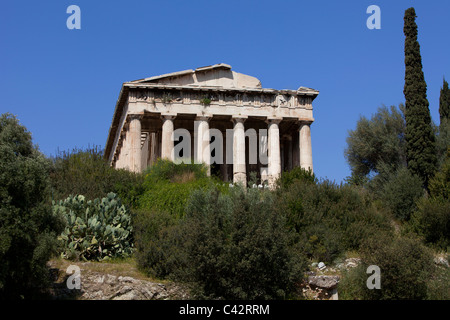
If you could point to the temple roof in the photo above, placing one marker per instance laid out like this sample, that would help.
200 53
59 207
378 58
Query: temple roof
217 75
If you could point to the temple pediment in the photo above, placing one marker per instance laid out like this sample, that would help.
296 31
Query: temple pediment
218 75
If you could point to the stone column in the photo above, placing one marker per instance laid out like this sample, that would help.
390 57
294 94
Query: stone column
239 170
167 145
135 158
305 146
118 163
203 152
145 150
289 142
273 144
224 166
153 148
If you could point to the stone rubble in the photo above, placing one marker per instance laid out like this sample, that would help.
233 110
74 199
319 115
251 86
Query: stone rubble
99 286
325 286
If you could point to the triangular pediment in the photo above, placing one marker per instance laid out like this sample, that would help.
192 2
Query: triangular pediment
218 75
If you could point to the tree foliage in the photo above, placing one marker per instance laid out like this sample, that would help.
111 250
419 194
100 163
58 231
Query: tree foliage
375 142
420 139
444 103
400 193
443 138
28 228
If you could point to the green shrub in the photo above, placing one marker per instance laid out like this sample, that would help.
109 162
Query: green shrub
406 266
440 184
95 230
439 284
432 222
232 246
167 186
329 219
401 192
87 172
156 244
236 246
166 170
353 283
297 174
28 228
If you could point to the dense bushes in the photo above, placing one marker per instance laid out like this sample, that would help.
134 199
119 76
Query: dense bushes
230 245
95 230
329 219
406 267
28 228
156 245
432 218
432 222
401 192
297 174
86 172
167 186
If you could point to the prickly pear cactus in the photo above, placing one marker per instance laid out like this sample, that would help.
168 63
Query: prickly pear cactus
95 230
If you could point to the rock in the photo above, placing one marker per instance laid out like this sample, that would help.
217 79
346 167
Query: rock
325 282
110 279
441 261
352 262
100 286
126 279
128 296
321 266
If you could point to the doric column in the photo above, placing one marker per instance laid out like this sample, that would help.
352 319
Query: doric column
134 132
203 152
273 144
239 169
167 145
224 166
124 152
305 146
289 146
153 148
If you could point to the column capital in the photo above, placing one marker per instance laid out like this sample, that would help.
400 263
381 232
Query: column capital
240 119
168 116
305 121
135 116
275 120
203 117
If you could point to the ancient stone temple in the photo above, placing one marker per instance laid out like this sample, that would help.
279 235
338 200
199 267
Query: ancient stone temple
215 116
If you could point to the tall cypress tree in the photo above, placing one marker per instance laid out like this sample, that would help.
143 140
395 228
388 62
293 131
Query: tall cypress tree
443 139
444 103
419 136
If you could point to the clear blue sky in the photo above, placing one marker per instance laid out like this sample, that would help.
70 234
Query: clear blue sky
63 84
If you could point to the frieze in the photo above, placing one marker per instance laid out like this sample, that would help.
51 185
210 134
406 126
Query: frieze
222 98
